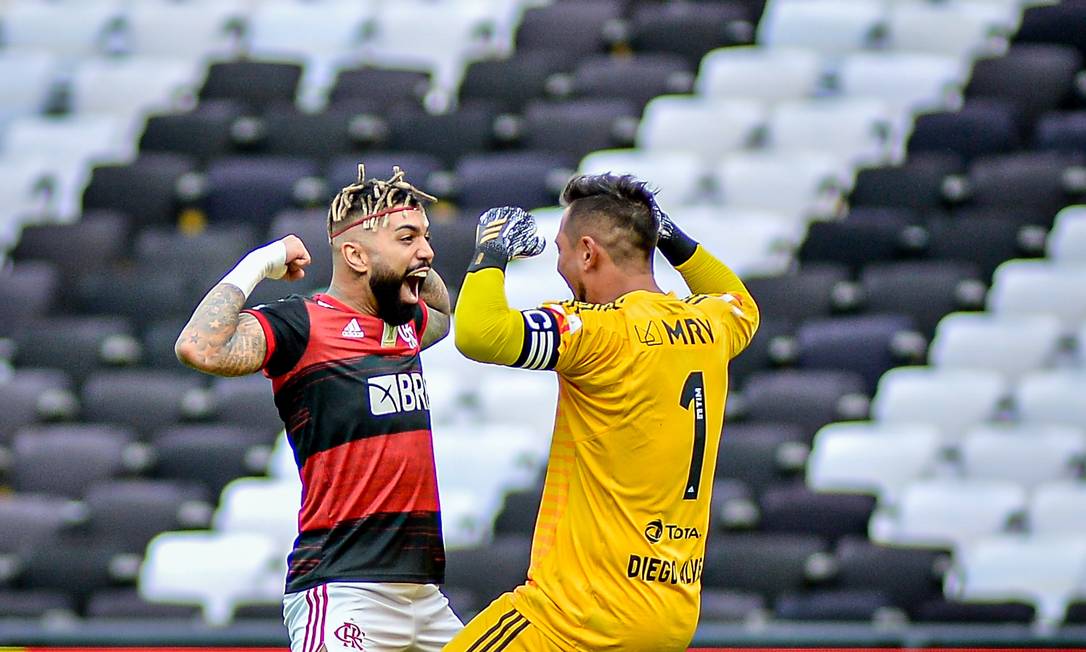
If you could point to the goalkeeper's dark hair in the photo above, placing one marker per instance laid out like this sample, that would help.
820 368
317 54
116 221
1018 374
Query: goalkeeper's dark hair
622 204
368 201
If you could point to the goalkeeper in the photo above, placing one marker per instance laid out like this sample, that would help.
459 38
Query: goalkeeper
619 541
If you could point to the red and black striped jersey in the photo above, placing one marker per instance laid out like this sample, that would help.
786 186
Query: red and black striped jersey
349 388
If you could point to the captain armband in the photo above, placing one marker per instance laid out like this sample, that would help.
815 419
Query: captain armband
541 340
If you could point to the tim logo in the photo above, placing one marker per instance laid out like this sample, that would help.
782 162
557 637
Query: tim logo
350 635
407 334
398 393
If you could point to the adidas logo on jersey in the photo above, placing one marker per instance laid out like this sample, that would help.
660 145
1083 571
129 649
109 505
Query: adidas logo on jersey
398 393
353 330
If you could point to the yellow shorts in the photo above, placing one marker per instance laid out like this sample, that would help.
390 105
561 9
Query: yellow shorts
500 628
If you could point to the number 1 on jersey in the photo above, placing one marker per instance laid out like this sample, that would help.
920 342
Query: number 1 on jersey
693 399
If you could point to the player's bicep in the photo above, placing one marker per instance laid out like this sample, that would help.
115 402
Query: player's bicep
437 327
246 351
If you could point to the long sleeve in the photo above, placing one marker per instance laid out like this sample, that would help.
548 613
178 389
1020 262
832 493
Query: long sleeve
486 328
704 273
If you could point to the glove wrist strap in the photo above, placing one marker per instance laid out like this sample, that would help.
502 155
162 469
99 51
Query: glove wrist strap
485 257
678 248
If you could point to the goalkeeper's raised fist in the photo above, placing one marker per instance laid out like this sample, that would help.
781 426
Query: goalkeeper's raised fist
504 234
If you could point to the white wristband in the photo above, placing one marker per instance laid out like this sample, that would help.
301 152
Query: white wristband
269 261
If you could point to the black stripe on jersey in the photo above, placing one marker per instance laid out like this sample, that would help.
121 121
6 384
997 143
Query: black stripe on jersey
379 548
492 635
513 634
541 340
695 299
320 403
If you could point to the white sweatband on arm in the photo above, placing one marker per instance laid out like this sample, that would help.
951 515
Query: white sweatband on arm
269 261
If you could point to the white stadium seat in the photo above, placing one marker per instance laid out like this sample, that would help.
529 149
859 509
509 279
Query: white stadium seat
951 399
826 26
1028 454
1009 344
66 29
799 185
950 28
262 505
679 175
131 87
216 570
1041 571
709 127
302 29
1067 239
1052 397
195 29
1040 287
1058 508
869 457
25 82
948 512
856 130
912 82
755 73
518 396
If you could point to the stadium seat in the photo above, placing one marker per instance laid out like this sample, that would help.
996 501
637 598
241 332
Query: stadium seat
951 400
30 521
508 178
1052 397
1067 239
249 190
1033 184
857 243
977 129
997 451
32 396
489 570
77 565
286 131
909 81
293 30
709 127
807 398
908 576
128 513
1040 287
78 345
254 84
180 29
916 183
944 512
143 400
125 604
507 84
759 457
343 171
1057 509
855 131
38 603
202 456
27 79
268 507
518 513
950 29
145 190
447 136
1044 572
983 240
869 457
798 510
132 87
66 460
203 133
248 402
29 290
678 173
637 78
1035 78
203 258
1063 131
215 570
799 185
1004 613
824 26
742 73
867 345
513 396
924 290
578 29
831 605
378 90
972 340
311 227
70 31
576 127
766 564
816 291
1053 24
689 30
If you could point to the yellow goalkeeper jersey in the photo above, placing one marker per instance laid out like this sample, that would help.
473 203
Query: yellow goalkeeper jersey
619 543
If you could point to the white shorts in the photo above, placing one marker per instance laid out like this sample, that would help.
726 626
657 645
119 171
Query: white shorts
369 617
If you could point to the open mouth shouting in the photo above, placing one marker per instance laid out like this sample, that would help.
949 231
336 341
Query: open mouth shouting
412 284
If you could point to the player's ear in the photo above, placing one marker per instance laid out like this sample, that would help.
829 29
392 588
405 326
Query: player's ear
356 256
589 253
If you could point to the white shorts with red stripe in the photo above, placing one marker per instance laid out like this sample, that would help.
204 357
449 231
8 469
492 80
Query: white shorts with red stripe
369 617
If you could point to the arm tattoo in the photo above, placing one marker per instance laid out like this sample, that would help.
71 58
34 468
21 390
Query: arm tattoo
219 339
436 296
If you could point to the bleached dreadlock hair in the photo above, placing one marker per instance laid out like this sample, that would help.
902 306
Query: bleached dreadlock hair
369 202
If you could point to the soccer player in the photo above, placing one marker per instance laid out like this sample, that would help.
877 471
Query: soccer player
344 367
619 542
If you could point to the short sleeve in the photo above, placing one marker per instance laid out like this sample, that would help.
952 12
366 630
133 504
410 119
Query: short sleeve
286 329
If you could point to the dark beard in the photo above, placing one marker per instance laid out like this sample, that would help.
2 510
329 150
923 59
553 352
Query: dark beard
386 285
